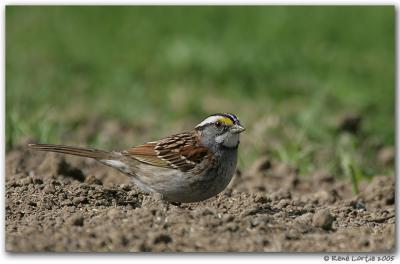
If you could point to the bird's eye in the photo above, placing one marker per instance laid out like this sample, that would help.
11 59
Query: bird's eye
218 124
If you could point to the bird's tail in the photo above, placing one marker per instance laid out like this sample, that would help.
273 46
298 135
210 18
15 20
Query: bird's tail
76 151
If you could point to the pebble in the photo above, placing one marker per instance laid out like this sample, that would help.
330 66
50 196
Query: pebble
323 219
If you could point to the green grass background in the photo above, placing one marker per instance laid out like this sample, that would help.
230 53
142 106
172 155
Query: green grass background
289 73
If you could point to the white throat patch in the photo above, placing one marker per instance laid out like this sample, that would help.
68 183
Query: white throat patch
228 140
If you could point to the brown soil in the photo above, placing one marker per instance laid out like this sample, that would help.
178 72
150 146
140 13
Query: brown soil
62 203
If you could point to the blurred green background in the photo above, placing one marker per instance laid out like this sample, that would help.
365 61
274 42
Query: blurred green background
314 86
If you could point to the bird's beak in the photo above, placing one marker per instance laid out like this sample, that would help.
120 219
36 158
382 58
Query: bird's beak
237 129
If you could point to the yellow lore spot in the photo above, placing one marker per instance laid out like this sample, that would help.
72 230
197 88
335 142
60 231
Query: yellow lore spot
226 120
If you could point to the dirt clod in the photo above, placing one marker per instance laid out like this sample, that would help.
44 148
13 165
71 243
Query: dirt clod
323 219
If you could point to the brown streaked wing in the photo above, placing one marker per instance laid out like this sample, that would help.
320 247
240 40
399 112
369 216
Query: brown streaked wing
180 151
145 153
192 155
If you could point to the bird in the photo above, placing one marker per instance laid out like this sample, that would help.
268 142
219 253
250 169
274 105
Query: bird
188 167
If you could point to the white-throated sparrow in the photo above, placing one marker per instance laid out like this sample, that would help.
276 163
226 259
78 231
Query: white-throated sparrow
186 167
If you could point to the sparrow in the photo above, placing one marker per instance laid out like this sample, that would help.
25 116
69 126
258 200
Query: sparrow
186 167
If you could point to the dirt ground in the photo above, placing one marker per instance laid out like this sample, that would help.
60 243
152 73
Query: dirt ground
62 203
